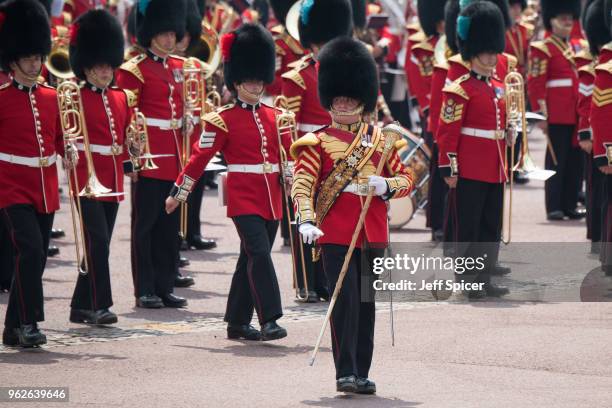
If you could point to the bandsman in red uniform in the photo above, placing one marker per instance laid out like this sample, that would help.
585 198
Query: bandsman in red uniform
28 172
156 78
553 91
320 21
598 35
96 51
288 49
519 35
472 142
335 169
246 133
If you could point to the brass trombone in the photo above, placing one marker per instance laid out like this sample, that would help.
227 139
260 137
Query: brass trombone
285 124
58 62
207 50
74 131
138 140
193 98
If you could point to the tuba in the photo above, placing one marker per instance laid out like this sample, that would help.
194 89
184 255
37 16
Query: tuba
74 132
58 62
207 49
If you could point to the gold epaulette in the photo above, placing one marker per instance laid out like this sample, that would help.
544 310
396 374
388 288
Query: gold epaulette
309 139
512 62
132 99
400 143
607 67
131 66
529 28
457 59
215 119
541 46
413 26
585 54
587 69
456 88
441 65
417 37
607 47
277 29
295 76
423 45
293 45
4 86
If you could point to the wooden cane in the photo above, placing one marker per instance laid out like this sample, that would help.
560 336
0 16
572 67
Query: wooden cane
389 140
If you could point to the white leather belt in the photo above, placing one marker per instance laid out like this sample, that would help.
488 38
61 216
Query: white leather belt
29 161
114 150
486 134
559 83
307 127
357 189
253 168
165 124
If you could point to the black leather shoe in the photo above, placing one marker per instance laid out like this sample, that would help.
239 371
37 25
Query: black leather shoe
243 331
577 214
346 384
520 178
500 270
26 336
184 246
149 302
171 300
495 291
211 185
53 251
365 386
102 316
199 243
57 233
437 235
310 297
272 331
555 216
183 281
183 262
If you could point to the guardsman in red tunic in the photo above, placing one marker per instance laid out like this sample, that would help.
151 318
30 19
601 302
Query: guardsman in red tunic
299 86
156 78
519 35
28 174
246 133
96 51
288 49
472 142
598 35
335 168
553 91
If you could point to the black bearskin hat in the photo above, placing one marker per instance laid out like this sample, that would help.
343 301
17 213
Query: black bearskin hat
47 5
595 27
431 12
321 21
24 31
248 54
504 7
201 7
281 8
193 24
523 3
451 12
552 8
608 14
347 68
359 13
159 16
480 28
96 38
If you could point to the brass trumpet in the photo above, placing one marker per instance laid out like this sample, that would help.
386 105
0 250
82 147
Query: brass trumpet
193 99
285 124
74 131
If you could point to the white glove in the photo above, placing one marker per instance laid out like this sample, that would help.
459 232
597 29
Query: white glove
379 184
310 233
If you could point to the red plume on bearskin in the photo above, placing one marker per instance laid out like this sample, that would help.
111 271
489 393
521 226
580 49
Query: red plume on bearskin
226 45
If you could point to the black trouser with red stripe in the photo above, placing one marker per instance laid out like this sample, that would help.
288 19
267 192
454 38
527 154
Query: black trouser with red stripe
254 285
595 199
193 209
6 259
154 238
28 232
561 190
436 194
352 320
93 290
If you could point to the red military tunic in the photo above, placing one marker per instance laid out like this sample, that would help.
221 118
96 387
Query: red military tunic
601 112
316 155
518 38
552 82
470 133
586 79
77 7
247 136
423 54
107 116
299 86
158 86
458 67
411 64
288 50
31 132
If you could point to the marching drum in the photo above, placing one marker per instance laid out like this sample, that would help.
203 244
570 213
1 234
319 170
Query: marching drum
415 155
